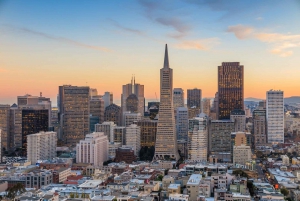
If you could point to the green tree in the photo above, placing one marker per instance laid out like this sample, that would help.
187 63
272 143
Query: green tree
250 187
159 178
284 191
17 189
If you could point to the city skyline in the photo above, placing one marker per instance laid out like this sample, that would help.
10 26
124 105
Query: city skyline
106 42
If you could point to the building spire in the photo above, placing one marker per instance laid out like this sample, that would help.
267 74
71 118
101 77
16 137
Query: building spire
166 61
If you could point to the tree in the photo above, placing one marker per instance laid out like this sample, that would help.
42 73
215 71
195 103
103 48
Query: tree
284 191
250 187
15 190
159 178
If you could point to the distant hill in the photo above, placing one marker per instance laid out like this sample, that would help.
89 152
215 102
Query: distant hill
252 99
292 99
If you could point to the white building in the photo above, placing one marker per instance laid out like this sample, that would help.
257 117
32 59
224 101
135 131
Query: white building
131 117
182 126
41 146
133 138
241 154
275 116
178 98
107 128
93 149
285 160
198 138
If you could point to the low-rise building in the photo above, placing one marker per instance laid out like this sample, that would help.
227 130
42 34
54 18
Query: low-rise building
193 186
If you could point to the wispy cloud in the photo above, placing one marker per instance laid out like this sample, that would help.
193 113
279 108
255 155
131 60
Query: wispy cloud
127 29
56 38
204 44
181 28
282 43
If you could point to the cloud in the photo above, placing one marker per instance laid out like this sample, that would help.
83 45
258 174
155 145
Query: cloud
176 23
282 44
204 44
127 29
240 31
57 38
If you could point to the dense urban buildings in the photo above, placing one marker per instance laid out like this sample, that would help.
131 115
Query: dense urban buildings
275 116
259 127
178 98
5 127
182 123
74 113
166 141
41 146
238 116
133 138
206 107
93 149
113 113
148 132
230 88
107 128
241 154
194 97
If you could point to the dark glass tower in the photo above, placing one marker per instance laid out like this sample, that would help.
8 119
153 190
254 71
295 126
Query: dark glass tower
230 88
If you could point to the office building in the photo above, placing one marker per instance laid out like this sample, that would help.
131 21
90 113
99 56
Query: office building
148 132
132 97
194 98
275 116
241 154
262 105
5 128
1 154
220 136
133 138
112 149
239 118
108 99
206 106
129 118
259 127
193 112
178 98
230 88
97 108
239 138
41 146
166 140
153 108
54 120
74 112
119 134
113 113
198 138
93 149
107 128
182 123
125 154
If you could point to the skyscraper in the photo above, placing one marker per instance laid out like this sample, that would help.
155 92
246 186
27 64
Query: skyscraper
113 113
74 112
238 116
166 141
259 127
275 116
4 126
194 98
230 88
178 98
182 119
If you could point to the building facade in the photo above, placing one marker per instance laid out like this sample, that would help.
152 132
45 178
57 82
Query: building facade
130 118
194 98
259 127
238 116
178 97
166 140
182 123
206 106
275 116
148 132
107 128
93 149
133 138
241 154
230 88
113 113
5 128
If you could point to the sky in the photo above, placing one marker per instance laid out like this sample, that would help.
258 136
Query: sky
45 44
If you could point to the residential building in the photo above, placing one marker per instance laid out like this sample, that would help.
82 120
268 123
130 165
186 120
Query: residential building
182 123
238 116
41 146
178 98
198 138
166 140
148 132
193 186
241 154
133 138
93 149
275 116
230 88
74 112
60 175
259 127
38 178
113 113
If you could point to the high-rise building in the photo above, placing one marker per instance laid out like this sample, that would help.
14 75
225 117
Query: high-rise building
113 113
220 136
54 120
259 127
93 149
74 112
230 88
166 140
148 132
108 99
239 118
241 154
41 146
153 108
133 138
206 106
275 116
262 105
5 127
119 134
198 138
1 146
129 118
107 128
194 98
182 123
97 108
178 98
132 97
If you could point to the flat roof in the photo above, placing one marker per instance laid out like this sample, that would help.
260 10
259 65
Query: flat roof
194 179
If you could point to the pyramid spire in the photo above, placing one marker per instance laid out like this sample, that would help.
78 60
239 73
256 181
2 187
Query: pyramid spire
166 61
